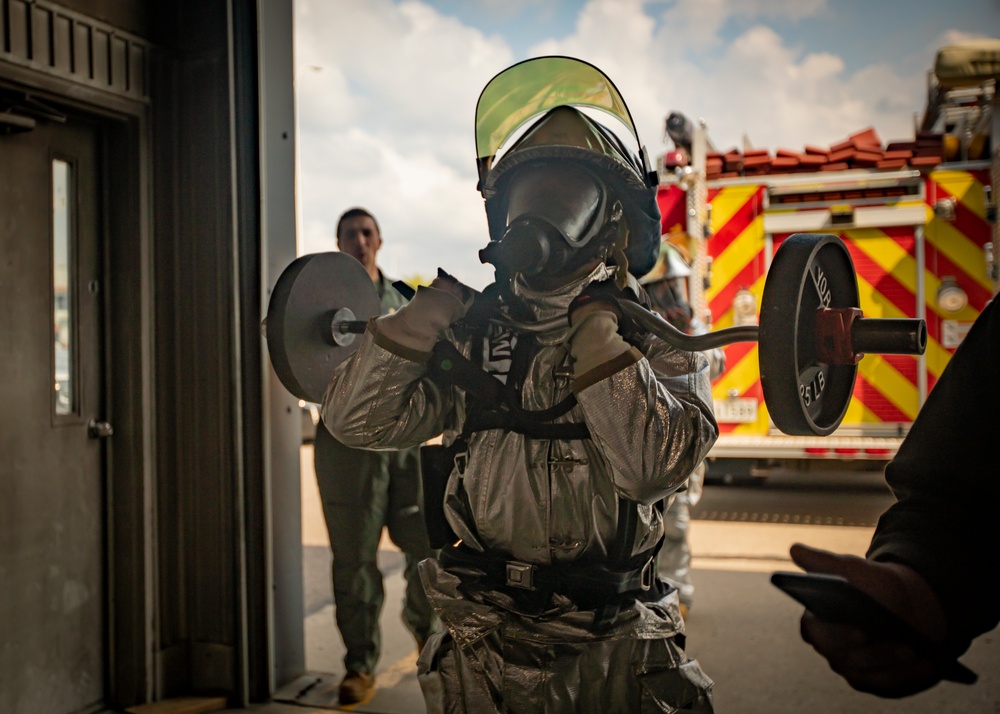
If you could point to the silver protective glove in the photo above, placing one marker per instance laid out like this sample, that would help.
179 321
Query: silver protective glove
422 321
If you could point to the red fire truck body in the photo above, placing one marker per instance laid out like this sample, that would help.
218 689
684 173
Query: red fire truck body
919 221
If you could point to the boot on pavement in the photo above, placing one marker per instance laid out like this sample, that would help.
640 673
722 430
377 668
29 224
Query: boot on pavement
356 686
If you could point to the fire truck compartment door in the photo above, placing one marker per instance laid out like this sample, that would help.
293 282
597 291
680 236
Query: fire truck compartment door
835 218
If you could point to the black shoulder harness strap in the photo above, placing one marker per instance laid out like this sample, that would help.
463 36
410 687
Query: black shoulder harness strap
494 405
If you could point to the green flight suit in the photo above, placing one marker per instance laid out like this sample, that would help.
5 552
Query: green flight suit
362 492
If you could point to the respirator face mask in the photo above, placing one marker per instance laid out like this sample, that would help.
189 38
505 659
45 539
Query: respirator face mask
555 215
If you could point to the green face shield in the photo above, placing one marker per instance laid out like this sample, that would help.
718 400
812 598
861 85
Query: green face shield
540 126
527 90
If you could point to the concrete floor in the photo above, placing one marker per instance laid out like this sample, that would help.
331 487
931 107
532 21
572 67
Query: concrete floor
742 630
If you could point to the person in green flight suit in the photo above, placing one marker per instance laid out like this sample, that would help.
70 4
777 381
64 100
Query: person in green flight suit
363 492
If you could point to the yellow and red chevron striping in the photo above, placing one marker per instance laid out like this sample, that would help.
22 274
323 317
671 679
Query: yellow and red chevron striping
884 260
721 302
672 201
733 210
742 378
738 261
736 247
894 276
894 269
954 248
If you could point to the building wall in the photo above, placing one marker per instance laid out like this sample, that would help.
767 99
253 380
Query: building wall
197 231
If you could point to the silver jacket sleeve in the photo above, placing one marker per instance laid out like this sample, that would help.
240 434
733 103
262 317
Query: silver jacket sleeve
377 399
653 421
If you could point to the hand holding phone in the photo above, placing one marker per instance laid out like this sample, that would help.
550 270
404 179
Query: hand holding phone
834 599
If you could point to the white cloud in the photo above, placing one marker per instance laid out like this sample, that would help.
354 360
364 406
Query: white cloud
620 38
696 24
786 98
757 84
387 92
954 37
386 95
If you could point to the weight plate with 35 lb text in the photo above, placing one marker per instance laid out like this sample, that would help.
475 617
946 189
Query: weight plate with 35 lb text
804 394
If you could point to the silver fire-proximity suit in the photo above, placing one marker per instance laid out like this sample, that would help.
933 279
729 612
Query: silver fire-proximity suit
668 287
527 508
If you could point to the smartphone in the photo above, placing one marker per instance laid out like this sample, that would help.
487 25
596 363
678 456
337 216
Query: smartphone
834 599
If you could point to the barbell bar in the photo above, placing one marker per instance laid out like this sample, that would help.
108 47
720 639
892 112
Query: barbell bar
811 336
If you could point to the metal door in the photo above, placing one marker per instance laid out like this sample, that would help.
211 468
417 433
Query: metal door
53 549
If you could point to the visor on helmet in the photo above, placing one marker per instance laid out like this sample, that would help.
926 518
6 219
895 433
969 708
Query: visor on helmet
530 88
546 94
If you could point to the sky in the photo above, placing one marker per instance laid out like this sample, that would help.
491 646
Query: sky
386 92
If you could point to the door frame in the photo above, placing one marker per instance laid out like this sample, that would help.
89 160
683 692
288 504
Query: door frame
247 47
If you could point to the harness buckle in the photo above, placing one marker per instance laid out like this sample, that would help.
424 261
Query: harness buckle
646 577
520 575
461 461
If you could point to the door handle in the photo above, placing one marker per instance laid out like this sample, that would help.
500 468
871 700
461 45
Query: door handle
99 429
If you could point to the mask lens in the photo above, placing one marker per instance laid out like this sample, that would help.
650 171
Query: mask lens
566 197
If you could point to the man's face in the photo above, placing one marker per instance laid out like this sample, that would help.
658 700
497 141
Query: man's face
359 238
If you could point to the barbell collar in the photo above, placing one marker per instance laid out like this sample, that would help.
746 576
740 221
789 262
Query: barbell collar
354 327
844 336
344 328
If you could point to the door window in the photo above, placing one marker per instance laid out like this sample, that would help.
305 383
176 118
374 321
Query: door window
64 395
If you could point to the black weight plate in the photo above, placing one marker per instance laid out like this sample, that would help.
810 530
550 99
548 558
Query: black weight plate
803 395
299 315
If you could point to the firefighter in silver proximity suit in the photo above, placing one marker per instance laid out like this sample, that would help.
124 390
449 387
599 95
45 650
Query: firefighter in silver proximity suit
667 286
566 429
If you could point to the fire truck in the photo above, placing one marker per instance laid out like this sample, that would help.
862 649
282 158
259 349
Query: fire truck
918 217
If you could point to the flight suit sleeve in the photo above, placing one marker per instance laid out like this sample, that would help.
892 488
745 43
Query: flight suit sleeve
944 477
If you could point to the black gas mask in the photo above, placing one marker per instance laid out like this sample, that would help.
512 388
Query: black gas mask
559 216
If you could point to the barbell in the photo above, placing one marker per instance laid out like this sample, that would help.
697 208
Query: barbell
318 304
810 338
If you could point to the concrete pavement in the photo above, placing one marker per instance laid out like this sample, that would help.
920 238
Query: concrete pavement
743 631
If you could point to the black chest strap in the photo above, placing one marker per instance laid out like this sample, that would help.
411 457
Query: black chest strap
491 404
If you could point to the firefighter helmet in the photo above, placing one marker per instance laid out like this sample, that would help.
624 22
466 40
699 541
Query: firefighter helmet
559 185
669 265
667 287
